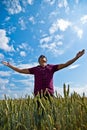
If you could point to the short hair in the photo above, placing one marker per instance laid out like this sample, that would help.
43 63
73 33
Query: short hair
42 56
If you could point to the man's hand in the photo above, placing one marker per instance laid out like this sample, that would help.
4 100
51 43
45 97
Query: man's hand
5 63
80 53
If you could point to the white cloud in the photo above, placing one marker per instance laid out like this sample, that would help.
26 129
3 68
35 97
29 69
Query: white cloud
16 6
7 18
1 56
84 19
5 73
64 4
3 83
42 22
4 40
77 1
22 23
28 65
12 85
15 95
59 24
25 47
53 48
46 39
31 19
30 2
60 4
23 53
78 89
26 82
58 37
78 31
52 43
11 29
63 24
13 6
74 66
51 2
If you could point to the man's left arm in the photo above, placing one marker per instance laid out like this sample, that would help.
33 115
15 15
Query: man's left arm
78 55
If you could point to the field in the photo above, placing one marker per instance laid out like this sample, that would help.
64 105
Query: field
54 113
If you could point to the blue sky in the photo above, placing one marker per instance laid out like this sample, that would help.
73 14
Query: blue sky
55 28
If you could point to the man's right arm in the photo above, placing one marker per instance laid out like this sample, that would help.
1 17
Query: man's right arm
24 71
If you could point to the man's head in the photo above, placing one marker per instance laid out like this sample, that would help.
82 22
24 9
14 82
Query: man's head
42 60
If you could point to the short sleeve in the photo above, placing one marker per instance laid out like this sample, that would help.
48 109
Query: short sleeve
32 70
55 68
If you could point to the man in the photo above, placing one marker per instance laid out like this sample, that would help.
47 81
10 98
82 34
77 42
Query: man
43 73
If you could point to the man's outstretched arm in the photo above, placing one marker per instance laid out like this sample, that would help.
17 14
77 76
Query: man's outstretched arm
24 71
78 55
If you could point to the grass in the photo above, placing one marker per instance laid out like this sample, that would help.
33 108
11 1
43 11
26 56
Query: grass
56 113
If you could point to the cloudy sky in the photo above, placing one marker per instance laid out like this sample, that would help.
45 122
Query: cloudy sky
55 28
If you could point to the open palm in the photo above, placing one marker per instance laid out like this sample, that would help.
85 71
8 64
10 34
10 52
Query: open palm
5 63
80 53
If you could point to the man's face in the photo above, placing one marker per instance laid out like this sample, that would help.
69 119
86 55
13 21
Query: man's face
42 61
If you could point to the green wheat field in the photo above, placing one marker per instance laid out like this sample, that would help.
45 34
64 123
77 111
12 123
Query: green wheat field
68 112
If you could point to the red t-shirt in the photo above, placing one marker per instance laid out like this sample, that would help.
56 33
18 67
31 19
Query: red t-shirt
43 78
